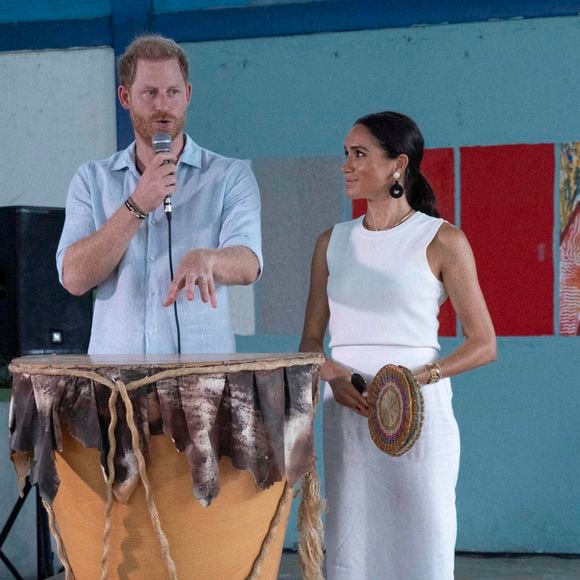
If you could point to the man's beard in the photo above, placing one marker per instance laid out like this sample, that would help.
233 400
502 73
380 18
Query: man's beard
143 126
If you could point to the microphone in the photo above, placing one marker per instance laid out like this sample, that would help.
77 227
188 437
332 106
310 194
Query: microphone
162 144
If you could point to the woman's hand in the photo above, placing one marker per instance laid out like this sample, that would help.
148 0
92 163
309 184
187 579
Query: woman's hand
345 394
338 377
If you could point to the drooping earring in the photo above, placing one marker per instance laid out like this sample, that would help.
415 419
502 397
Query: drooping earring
396 189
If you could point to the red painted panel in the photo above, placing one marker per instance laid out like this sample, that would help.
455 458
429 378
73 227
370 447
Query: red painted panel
507 213
359 206
438 168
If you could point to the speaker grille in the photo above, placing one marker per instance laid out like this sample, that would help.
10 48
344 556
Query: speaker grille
38 315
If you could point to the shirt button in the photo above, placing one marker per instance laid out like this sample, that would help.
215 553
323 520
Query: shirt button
152 258
150 332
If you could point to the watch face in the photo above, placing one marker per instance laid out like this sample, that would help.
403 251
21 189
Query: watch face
434 373
358 382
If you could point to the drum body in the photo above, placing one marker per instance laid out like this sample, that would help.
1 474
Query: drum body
166 469
219 541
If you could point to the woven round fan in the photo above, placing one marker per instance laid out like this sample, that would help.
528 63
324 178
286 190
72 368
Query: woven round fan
395 409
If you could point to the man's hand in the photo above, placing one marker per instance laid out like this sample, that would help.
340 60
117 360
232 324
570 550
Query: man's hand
195 269
157 182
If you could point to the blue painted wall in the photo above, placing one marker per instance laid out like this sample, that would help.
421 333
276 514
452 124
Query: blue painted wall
40 10
472 84
475 83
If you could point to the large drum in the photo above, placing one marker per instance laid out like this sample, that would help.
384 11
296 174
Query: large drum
170 466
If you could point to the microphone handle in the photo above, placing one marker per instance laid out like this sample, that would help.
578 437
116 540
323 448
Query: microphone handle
167 201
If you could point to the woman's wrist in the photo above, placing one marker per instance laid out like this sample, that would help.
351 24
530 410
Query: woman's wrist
331 371
422 375
429 374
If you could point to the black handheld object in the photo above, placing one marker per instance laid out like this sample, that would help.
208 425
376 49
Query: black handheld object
358 382
162 144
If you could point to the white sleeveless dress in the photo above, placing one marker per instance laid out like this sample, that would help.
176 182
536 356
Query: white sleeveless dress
388 518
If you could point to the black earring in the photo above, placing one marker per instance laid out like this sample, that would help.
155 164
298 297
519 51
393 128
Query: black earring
396 189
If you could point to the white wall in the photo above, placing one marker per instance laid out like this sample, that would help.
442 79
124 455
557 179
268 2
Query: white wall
57 110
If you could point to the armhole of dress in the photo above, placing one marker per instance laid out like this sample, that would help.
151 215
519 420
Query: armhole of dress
425 259
331 242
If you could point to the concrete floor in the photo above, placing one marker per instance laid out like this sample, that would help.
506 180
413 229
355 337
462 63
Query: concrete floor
475 567
478 567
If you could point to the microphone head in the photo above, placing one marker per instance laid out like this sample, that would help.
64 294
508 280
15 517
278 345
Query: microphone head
161 142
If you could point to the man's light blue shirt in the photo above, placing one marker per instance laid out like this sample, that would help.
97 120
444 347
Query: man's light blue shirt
216 205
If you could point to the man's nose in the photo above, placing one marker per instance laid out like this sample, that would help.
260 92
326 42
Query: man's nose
161 102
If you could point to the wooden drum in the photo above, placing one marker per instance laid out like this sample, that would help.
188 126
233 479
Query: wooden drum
170 466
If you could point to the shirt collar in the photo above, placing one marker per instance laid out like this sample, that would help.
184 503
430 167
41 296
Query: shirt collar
191 152
191 155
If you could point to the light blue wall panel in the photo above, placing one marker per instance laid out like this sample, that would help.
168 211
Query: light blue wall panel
520 467
472 84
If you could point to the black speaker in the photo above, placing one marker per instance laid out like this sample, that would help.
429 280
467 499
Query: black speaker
37 315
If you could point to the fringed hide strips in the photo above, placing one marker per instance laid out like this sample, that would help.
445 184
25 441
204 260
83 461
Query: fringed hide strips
255 409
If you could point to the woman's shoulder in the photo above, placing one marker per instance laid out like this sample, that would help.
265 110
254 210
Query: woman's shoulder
347 225
324 237
451 239
336 233
423 218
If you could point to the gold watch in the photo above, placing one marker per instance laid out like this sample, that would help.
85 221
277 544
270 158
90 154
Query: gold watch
434 372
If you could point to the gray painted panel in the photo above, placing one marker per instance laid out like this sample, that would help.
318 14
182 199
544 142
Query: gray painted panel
300 199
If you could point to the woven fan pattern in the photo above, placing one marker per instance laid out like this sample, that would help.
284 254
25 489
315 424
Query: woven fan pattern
395 409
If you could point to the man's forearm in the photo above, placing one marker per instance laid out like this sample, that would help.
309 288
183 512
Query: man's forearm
236 265
91 260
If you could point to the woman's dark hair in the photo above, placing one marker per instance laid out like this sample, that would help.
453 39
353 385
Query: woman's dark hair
398 134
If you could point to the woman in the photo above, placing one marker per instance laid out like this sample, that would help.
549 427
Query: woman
377 282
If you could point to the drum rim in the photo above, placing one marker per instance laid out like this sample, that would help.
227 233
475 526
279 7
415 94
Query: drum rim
129 361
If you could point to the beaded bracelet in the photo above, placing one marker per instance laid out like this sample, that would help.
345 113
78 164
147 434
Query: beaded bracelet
135 209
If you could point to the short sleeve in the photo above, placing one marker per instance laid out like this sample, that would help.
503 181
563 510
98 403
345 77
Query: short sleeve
241 212
79 216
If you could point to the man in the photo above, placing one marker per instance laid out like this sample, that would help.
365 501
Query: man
115 236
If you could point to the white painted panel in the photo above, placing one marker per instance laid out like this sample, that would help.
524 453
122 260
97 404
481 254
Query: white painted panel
242 310
57 110
242 304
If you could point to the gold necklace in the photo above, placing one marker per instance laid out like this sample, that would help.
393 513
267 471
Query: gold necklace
402 220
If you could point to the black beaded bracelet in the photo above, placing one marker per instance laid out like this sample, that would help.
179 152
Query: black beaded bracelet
135 209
